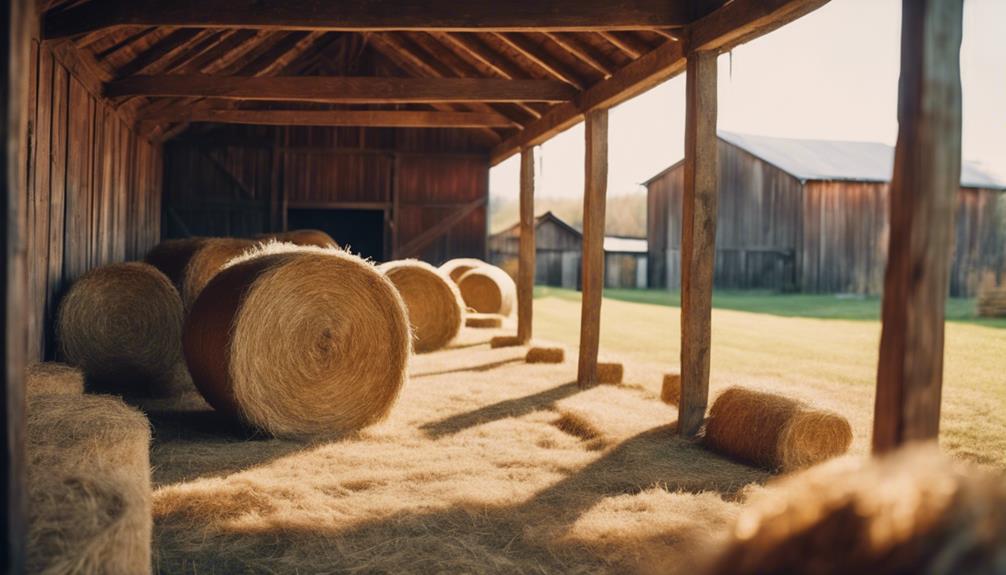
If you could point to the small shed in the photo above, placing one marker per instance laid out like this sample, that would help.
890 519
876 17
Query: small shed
812 216
558 248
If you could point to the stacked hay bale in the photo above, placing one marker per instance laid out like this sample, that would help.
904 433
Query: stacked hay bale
774 432
488 289
301 238
299 341
88 479
53 378
991 298
172 257
457 267
207 261
915 511
121 324
436 312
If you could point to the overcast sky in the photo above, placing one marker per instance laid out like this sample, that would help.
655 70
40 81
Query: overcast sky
833 74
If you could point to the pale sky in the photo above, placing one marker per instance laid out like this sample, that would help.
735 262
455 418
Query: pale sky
833 74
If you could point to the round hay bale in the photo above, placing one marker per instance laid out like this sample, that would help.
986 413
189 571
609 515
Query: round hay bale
545 355
436 311
89 495
121 324
172 257
774 432
488 289
53 378
609 372
301 238
302 342
505 341
211 256
459 266
483 320
914 511
670 392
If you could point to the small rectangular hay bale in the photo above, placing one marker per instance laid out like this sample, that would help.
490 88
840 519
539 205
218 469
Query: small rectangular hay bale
53 378
670 392
483 320
610 372
774 432
545 355
505 341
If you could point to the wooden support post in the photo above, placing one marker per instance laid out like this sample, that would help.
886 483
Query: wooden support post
17 19
698 239
927 171
595 188
526 264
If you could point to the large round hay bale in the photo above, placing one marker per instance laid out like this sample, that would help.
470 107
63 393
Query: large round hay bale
207 261
436 311
457 267
488 289
53 378
309 341
774 432
122 324
89 495
301 238
172 257
914 511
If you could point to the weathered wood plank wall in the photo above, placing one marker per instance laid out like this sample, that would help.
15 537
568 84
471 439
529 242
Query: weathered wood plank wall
93 189
817 237
239 180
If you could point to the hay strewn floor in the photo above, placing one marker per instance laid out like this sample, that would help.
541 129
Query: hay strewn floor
487 465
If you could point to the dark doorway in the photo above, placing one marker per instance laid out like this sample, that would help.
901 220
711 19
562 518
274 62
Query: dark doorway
362 231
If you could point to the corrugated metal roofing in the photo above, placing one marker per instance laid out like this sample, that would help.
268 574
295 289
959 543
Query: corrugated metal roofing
837 160
615 244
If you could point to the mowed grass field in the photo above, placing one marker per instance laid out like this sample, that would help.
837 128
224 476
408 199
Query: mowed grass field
821 349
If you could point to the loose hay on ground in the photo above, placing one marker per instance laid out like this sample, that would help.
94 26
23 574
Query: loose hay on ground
488 289
540 354
915 511
483 320
299 341
505 341
121 324
774 432
172 258
89 495
436 312
459 266
53 378
211 256
610 372
600 414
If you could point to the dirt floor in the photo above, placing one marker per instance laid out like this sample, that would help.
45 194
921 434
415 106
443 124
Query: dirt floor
486 465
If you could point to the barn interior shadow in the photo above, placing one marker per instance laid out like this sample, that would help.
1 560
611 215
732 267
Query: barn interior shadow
471 368
515 407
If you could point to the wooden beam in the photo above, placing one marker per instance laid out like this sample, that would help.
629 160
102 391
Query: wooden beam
740 21
698 239
346 90
630 45
526 250
16 23
595 190
373 15
927 171
634 78
373 118
572 45
535 53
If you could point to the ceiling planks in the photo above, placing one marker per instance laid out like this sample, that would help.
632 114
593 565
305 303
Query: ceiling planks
368 118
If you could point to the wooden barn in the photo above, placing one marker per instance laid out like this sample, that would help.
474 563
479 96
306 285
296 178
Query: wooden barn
558 247
812 216
127 123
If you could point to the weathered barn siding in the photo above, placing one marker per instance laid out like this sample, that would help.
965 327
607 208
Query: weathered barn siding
757 230
557 253
774 232
240 181
93 188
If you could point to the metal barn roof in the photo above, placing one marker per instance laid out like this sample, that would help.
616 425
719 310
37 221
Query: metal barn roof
838 160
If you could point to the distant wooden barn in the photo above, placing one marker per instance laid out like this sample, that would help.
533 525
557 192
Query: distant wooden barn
812 216
558 248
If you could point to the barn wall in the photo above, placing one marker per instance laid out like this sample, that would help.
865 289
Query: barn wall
557 254
93 188
757 231
239 181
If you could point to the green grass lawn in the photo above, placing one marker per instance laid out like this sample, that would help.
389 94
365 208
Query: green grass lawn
821 349
822 306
